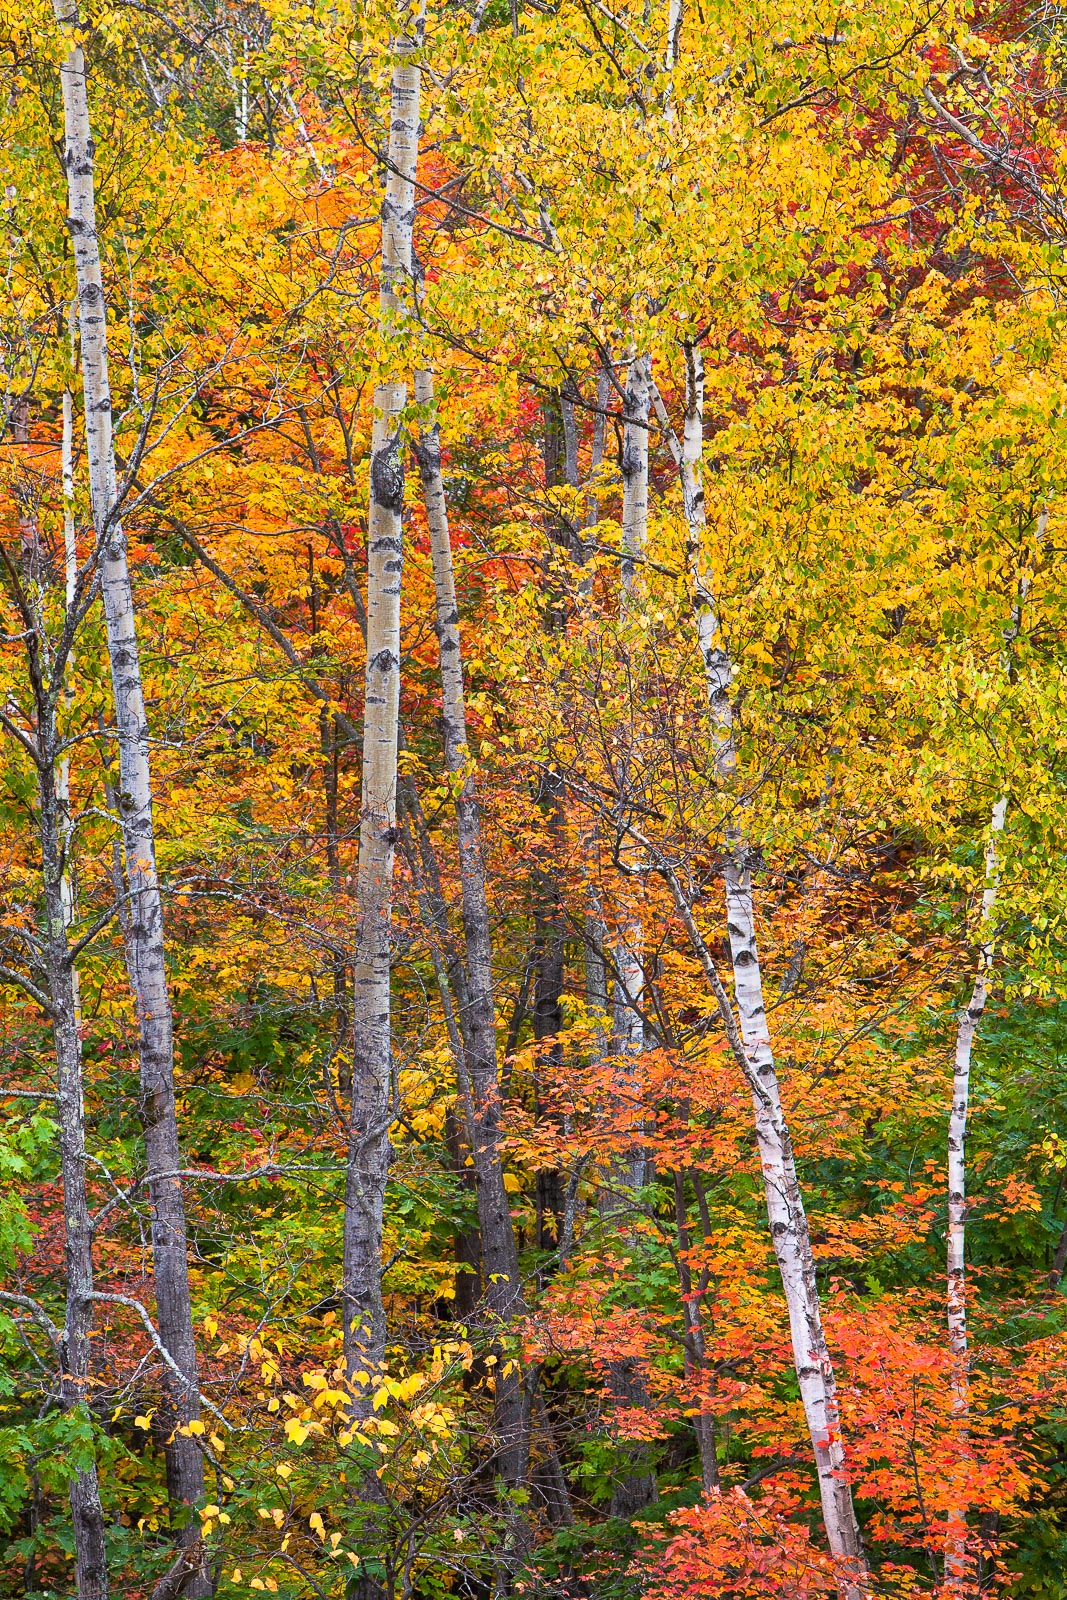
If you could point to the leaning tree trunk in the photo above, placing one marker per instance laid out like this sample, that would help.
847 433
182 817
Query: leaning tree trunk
145 950
499 1252
785 1205
368 1154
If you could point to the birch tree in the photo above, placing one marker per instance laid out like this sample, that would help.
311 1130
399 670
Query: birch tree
37 729
785 1203
955 1235
144 944
629 988
969 1020
368 1152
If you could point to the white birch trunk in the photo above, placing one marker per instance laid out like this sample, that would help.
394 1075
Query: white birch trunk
90 1550
956 1234
629 955
637 1487
70 574
47 668
145 949
785 1205
955 1238
368 1155
596 977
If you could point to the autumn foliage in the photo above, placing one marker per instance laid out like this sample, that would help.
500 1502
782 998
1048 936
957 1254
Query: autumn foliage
834 246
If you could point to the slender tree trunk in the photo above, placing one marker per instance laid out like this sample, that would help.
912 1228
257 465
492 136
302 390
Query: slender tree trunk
467 1244
47 665
89 1539
145 948
695 1351
368 1155
90 1553
70 575
561 468
74 1345
785 1205
452 988
955 1239
626 1382
499 1252
629 956
596 977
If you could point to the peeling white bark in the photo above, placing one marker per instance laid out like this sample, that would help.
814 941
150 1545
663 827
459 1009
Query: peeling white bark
955 1239
368 1155
785 1204
629 953
144 945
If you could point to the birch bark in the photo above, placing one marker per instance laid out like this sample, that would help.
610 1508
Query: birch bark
368 1153
967 1027
48 663
955 1238
70 574
785 1204
144 947
90 1552
636 1488
47 671
630 981
596 977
